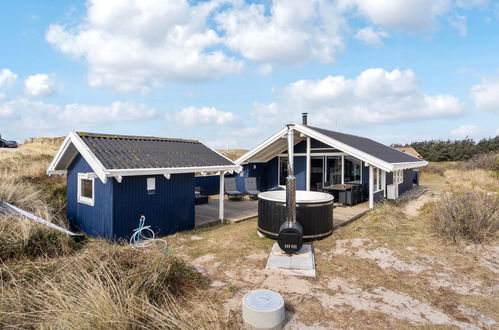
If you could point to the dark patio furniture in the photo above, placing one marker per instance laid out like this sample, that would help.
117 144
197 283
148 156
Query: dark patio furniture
341 190
319 186
352 196
251 188
231 189
199 196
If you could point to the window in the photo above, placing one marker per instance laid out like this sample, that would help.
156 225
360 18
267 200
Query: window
377 173
333 169
398 177
151 186
85 189
352 170
283 170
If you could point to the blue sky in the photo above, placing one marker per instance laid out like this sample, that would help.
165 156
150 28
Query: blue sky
231 73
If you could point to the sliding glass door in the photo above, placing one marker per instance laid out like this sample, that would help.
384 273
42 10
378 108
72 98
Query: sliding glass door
316 171
352 170
333 169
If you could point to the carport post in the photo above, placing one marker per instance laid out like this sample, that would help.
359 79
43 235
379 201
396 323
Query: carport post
371 182
221 197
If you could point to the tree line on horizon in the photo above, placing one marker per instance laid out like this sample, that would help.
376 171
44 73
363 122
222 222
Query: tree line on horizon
453 150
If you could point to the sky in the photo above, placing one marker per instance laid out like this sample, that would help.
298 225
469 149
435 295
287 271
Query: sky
230 73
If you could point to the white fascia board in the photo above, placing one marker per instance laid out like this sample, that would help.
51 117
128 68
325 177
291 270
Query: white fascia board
57 158
243 159
172 170
385 166
89 156
408 165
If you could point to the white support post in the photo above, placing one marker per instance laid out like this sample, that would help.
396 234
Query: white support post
383 182
308 163
221 197
342 169
371 181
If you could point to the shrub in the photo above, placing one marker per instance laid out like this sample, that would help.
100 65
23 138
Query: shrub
488 162
469 215
104 287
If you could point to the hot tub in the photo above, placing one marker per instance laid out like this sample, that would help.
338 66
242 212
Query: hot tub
314 211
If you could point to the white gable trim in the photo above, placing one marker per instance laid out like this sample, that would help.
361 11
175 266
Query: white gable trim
379 163
85 152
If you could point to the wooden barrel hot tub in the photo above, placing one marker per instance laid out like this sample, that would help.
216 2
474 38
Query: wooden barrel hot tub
314 211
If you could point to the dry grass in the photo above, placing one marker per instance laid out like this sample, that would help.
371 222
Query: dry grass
105 287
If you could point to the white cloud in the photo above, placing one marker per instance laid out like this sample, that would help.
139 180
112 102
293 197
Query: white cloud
289 31
265 113
486 95
193 116
409 15
371 36
265 69
115 112
40 85
464 131
374 96
7 78
137 44
496 131
459 22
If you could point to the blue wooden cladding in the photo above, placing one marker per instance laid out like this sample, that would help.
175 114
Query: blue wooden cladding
210 184
118 206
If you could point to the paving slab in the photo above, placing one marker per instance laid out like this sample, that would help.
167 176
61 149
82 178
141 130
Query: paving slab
300 264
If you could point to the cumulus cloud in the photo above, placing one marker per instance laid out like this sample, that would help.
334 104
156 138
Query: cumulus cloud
115 112
204 116
408 15
371 36
137 44
7 78
374 96
40 85
289 31
464 131
486 95
265 113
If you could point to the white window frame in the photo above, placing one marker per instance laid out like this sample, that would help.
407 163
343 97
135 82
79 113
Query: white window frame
81 199
378 184
398 176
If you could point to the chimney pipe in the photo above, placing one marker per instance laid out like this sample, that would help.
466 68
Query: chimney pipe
304 118
291 180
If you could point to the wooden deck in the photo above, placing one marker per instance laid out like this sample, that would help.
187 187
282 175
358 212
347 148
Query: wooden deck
235 211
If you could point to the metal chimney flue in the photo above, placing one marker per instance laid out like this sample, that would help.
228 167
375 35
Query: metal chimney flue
290 238
304 118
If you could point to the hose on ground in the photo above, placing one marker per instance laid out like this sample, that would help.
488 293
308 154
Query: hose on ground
144 236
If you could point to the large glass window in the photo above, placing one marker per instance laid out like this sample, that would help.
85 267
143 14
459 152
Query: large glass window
333 173
352 170
283 170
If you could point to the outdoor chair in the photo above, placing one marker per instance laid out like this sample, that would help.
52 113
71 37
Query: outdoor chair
319 186
342 197
251 188
351 196
231 189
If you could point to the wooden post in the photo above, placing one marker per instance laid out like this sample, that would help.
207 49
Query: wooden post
383 182
308 164
221 197
371 181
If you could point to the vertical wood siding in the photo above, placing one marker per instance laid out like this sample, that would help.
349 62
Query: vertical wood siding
95 221
169 210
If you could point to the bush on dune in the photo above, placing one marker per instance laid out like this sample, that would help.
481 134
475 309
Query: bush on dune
467 215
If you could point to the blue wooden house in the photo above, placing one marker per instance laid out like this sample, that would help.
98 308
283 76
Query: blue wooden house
322 156
112 180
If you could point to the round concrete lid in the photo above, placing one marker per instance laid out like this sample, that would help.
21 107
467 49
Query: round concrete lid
264 300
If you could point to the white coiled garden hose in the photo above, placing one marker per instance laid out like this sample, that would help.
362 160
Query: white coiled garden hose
144 236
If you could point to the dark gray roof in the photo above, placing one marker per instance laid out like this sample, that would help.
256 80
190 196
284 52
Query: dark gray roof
129 152
369 146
